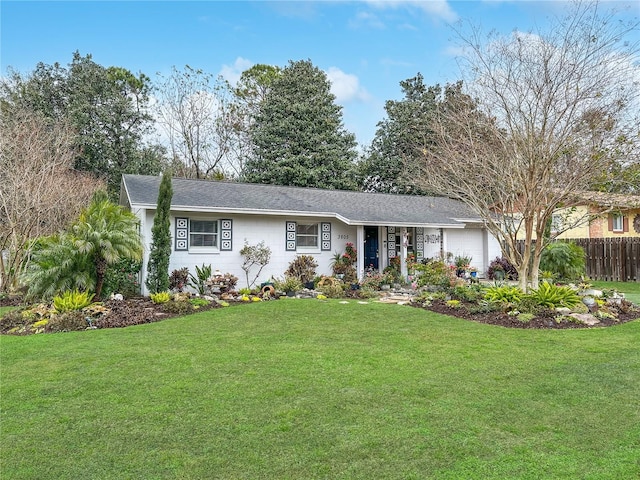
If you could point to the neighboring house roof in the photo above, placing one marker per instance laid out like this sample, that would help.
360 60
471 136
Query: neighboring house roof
353 208
609 200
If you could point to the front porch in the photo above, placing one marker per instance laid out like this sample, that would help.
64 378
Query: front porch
378 246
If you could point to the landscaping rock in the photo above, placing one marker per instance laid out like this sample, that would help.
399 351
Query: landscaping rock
585 318
592 292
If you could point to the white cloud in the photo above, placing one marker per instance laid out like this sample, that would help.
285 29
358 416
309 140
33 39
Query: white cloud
345 86
232 73
437 8
367 19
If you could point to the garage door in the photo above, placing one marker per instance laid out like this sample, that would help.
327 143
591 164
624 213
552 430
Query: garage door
468 243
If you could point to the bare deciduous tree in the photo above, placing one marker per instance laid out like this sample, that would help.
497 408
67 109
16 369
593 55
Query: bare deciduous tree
40 193
546 115
197 117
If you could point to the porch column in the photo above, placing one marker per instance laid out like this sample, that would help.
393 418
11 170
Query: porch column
360 251
403 253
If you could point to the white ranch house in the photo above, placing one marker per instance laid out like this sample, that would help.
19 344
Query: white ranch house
211 221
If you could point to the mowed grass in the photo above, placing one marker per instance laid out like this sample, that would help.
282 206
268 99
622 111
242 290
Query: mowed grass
301 389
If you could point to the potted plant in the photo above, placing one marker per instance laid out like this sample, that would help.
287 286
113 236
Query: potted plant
462 264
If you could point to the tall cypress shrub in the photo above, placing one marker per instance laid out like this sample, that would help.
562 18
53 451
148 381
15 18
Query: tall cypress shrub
158 266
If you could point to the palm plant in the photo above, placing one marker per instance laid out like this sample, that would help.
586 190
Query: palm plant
103 234
56 267
106 233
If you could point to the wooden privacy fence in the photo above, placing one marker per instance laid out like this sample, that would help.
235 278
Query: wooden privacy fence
612 259
609 259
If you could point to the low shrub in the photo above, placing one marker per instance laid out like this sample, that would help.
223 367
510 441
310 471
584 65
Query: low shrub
199 302
288 284
11 320
483 306
367 292
566 260
181 307
528 305
179 279
72 300
160 297
504 295
122 277
453 303
552 296
332 290
525 317
434 272
468 293
502 264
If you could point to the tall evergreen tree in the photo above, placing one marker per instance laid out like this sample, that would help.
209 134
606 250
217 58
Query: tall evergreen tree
402 137
158 266
298 135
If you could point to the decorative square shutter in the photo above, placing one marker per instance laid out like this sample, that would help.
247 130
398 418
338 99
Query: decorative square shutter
391 242
226 242
325 241
291 230
419 242
182 234
610 222
625 224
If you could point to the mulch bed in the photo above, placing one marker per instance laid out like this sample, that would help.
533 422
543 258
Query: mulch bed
545 320
135 311
124 313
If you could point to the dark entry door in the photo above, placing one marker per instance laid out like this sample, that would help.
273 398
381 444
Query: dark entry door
371 247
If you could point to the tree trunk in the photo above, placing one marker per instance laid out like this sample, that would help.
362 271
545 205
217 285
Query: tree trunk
101 270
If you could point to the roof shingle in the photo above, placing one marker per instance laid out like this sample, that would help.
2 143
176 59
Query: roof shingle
354 208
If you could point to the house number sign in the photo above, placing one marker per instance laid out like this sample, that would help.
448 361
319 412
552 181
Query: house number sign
433 238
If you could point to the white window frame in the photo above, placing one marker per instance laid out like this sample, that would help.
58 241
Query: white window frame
306 235
617 222
216 235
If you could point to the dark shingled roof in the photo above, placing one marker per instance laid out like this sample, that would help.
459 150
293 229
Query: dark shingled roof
354 208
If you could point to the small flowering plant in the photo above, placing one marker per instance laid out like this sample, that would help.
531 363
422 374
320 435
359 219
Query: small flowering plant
350 255
343 264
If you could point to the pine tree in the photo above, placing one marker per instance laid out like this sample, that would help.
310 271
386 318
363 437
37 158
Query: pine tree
158 266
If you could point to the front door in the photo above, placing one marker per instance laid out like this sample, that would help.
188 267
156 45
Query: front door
371 248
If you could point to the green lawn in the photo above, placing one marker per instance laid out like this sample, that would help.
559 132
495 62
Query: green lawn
300 389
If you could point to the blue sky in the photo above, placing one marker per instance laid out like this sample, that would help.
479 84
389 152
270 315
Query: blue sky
366 47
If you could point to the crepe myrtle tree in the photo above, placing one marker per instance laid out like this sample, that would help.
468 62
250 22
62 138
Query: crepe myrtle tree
545 115
254 256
